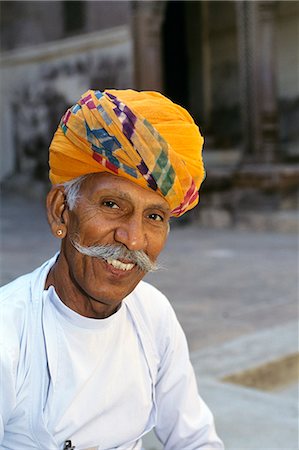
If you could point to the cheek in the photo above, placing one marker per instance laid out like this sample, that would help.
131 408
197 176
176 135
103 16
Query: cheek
156 244
83 220
88 231
73 229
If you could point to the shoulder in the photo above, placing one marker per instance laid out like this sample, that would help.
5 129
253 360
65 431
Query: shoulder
19 291
153 312
156 323
14 306
16 301
15 295
14 311
14 288
150 301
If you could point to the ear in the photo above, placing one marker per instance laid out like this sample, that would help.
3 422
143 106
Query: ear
57 211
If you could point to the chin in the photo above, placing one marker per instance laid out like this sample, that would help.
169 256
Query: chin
111 296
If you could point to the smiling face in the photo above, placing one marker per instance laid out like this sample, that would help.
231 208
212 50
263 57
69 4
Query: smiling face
110 210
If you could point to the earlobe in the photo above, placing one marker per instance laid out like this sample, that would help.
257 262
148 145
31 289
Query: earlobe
56 212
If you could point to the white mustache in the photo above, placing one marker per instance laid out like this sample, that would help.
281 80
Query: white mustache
137 257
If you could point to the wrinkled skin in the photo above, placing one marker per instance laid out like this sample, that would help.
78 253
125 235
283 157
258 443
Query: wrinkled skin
110 210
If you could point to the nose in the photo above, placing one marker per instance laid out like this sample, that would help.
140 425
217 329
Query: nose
131 233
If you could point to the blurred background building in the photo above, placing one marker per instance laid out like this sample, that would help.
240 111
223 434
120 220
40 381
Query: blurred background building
233 64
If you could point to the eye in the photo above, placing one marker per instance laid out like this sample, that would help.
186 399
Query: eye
110 204
156 217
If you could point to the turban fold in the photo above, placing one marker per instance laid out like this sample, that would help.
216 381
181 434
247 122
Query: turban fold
142 136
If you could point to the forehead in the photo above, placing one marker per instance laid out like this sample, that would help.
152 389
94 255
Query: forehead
106 183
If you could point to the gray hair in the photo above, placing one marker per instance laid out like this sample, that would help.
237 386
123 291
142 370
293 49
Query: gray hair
72 189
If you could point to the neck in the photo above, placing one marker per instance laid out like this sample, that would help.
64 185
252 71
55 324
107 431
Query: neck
72 295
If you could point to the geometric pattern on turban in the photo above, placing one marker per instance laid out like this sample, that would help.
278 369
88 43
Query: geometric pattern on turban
142 136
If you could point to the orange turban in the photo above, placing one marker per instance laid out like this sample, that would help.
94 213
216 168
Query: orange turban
142 136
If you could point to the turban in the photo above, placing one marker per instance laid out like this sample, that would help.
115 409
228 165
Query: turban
142 136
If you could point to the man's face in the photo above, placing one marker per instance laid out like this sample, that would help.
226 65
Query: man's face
111 210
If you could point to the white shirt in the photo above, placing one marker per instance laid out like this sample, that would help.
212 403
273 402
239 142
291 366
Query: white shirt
90 359
101 383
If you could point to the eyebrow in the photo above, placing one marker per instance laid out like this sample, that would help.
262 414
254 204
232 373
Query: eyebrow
126 196
159 206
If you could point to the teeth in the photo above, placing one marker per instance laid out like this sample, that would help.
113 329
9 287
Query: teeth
119 265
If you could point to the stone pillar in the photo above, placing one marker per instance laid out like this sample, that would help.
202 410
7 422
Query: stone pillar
256 30
247 34
268 94
206 62
147 19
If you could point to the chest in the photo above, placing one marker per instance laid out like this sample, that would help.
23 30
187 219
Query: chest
98 381
93 388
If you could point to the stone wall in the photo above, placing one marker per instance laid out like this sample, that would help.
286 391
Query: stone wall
38 83
30 23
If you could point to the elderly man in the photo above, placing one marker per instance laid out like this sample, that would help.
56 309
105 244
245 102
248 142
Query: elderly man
91 356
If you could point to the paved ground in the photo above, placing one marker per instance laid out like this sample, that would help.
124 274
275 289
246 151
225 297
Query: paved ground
235 293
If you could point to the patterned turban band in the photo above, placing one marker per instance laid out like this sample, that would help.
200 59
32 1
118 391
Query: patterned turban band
141 136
